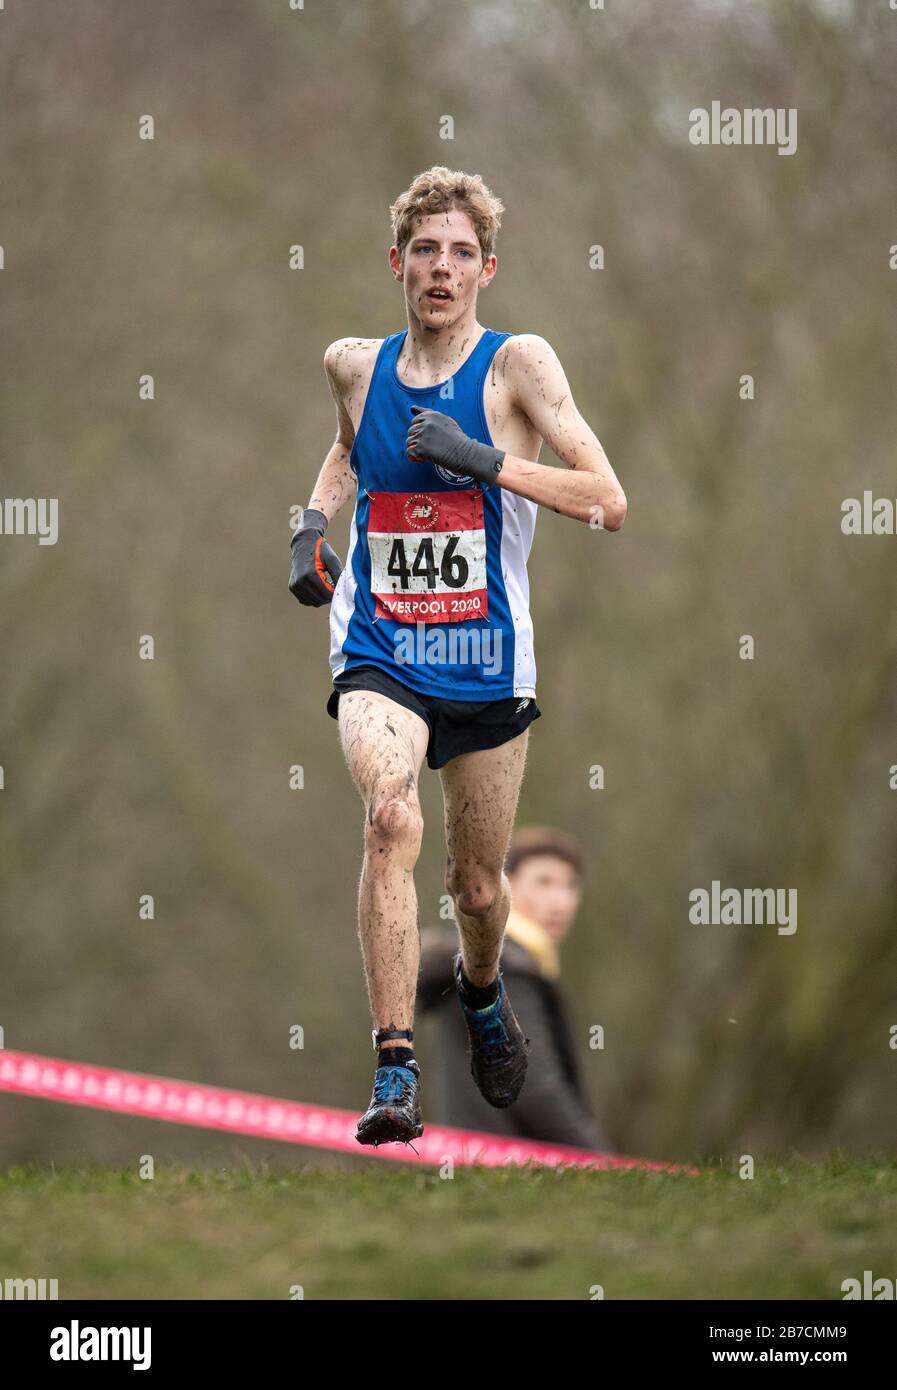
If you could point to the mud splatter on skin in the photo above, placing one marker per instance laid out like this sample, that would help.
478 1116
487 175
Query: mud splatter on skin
348 365
351 364
510 428
480 793
385 771
537 406
415 370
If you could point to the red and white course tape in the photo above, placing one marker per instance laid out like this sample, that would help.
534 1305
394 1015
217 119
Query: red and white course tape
292 1122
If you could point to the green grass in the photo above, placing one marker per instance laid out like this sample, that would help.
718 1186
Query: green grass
795 1231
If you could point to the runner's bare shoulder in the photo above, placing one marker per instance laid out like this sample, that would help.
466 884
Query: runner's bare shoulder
350 361
526 352
349 364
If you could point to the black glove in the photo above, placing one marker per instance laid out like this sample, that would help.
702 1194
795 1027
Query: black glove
316 567
437 438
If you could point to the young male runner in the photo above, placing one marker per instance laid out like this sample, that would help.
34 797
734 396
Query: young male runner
439 427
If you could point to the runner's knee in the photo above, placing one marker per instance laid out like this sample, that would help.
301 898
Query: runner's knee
474 895
394 817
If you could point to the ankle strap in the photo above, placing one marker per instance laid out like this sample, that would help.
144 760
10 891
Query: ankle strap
386 1033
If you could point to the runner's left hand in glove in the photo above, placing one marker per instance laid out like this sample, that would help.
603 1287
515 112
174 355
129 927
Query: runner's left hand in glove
437 438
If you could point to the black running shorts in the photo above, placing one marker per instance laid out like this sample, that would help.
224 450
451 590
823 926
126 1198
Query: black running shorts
456 726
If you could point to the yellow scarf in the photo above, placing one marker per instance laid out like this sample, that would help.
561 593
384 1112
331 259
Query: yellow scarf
536 940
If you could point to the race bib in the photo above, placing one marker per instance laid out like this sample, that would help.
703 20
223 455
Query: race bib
428 556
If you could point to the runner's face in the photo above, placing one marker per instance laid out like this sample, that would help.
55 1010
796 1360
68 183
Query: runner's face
547 890
443 254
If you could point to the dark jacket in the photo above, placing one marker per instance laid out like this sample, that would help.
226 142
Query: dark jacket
553 1106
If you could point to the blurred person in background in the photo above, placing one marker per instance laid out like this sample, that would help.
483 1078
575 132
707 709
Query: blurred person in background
545 869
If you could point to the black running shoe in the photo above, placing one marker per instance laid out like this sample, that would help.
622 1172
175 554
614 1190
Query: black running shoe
498 1049
394 1111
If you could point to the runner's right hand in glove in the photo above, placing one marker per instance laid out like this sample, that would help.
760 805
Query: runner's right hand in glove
315 567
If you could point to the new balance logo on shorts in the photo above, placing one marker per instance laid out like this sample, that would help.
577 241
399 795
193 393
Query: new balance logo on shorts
521 707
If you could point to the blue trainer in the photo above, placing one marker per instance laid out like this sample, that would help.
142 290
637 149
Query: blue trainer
394 1111
498 1049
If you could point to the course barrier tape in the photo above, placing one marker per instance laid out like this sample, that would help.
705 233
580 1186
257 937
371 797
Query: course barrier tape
291 1122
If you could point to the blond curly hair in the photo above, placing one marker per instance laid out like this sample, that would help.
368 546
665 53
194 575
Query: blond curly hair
439 190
